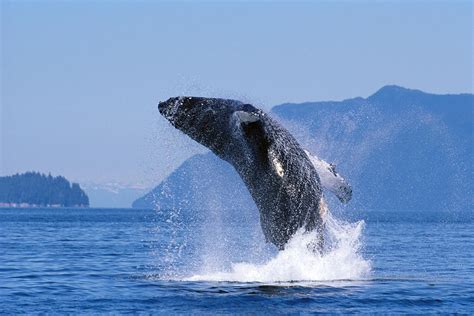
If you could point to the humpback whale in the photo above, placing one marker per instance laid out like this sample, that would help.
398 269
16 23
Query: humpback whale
284 180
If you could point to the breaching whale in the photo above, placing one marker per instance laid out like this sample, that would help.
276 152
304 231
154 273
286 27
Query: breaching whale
283 179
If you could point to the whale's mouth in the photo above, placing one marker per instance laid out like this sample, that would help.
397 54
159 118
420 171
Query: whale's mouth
170 107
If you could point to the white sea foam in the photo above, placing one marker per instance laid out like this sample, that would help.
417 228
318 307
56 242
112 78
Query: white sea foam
340 260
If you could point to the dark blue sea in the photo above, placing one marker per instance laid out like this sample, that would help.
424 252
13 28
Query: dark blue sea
83 261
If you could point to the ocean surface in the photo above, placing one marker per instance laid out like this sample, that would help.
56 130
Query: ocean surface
130 261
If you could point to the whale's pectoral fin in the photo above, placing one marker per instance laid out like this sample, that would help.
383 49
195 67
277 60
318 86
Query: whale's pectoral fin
330 179
253 129
251 124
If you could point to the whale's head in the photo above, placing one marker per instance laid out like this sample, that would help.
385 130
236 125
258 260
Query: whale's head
210 121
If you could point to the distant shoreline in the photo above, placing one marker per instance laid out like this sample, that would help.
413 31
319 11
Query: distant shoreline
58 208
27 205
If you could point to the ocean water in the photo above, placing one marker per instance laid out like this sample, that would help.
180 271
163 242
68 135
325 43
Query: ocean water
132 261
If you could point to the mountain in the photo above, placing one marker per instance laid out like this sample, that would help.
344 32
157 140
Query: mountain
113 195
401 149
201 182
35 189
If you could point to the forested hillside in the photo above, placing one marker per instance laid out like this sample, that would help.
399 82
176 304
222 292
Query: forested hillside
33 188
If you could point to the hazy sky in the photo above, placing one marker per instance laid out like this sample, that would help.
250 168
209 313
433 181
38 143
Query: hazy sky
81 80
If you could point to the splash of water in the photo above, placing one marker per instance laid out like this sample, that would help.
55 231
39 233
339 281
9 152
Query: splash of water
341 259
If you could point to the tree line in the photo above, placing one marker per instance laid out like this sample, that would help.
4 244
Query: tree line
39 189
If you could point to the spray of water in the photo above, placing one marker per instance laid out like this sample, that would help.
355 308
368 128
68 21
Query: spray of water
341 260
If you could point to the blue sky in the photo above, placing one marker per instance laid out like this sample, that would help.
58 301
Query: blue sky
80 81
